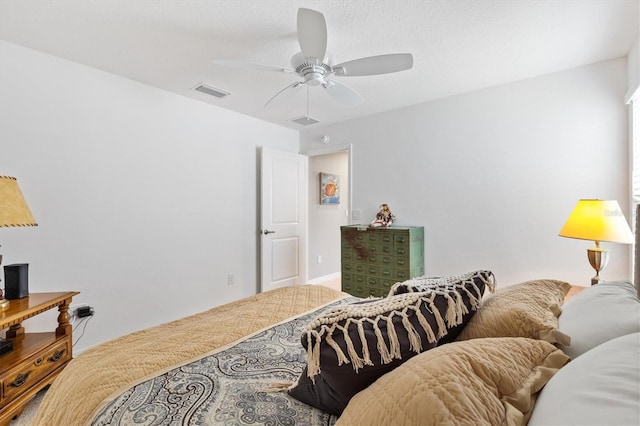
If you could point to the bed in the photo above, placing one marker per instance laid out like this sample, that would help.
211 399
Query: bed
438 350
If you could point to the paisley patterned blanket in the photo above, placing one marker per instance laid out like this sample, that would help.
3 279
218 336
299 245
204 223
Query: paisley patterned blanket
229 387
102 373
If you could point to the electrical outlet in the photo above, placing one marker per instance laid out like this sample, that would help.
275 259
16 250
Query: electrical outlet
231 279
356 214
319 259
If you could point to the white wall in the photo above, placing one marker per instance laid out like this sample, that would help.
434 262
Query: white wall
493 174
633 68
145 200
325 220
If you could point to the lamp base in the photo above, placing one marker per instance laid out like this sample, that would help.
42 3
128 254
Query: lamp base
4 304
598 258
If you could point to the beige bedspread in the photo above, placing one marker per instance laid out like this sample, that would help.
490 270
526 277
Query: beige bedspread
99 372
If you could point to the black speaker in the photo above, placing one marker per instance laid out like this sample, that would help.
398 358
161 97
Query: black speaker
16 281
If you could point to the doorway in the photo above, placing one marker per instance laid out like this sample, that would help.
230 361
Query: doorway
325 219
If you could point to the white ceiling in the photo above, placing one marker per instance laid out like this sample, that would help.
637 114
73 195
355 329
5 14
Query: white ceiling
457 45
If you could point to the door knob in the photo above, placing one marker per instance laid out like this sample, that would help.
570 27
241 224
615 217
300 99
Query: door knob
266 231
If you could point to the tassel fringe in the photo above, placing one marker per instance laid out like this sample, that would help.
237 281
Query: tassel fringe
420 293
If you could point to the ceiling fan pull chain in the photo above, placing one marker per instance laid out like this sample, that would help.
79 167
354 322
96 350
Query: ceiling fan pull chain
307 102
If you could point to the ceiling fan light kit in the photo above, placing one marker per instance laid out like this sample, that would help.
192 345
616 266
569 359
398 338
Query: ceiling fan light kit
314 70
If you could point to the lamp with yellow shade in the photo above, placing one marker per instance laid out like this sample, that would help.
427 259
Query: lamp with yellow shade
597 220
14 211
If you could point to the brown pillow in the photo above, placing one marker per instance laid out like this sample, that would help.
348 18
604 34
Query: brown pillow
350 346
483 381
529 309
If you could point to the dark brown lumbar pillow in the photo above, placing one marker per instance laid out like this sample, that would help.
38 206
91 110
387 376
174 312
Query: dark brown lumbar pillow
350 346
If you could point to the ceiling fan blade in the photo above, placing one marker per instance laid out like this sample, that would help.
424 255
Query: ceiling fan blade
286 93
343 93
372 65
251 66
312 34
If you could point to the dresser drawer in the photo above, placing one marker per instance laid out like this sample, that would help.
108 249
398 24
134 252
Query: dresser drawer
373 249
356 268
372 237
349 278
400 263
386 249
367 291
35 368
401 274
401 240
359 290
372 281
385 285
386 238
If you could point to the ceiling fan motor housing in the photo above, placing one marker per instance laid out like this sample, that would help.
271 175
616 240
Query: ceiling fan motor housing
312 72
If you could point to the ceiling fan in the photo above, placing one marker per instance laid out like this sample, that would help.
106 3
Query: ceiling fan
315 70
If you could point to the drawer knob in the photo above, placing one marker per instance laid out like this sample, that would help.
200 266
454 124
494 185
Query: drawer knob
56 356
20 380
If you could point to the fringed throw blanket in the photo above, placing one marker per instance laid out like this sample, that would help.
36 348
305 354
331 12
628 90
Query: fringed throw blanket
230 387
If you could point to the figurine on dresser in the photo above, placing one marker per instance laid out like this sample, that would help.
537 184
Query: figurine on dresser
384 217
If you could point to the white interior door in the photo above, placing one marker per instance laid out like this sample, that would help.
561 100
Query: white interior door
283 218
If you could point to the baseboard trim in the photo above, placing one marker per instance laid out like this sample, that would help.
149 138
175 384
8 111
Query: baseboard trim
324 278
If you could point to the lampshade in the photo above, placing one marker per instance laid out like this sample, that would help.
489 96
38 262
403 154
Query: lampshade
597 220
14 210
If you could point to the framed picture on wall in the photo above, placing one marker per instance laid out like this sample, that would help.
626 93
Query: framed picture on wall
329 188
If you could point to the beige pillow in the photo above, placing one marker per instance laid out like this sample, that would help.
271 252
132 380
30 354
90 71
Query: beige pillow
529 309
482 381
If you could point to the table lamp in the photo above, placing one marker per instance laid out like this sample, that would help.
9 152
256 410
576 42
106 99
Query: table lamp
597 220
14 211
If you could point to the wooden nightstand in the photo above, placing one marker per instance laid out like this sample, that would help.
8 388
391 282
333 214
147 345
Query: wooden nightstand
37 358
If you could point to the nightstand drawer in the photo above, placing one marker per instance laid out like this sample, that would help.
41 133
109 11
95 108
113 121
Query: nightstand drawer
35 368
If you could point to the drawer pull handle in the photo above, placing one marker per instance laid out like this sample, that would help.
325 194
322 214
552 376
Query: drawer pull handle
56 356
38 362
20 380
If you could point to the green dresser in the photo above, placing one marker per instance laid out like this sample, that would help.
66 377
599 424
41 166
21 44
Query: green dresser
373 259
